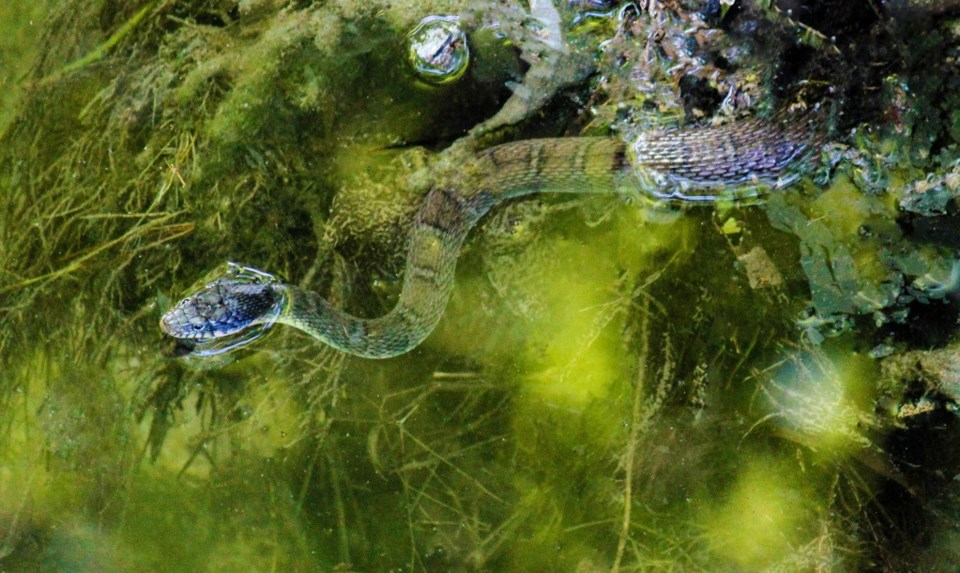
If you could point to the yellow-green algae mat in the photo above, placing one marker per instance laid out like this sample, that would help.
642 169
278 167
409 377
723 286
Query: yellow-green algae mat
615 386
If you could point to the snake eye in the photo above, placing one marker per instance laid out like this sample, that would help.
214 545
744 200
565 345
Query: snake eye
198 327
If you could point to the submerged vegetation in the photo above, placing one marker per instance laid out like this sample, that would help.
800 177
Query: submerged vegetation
617 385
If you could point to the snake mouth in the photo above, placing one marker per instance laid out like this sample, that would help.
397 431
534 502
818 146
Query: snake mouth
228 341
167 327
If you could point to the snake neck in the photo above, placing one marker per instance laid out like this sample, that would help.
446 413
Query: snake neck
740 155
439 229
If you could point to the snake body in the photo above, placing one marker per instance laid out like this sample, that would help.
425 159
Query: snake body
688 164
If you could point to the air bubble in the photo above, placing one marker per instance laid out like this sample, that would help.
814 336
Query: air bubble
437 49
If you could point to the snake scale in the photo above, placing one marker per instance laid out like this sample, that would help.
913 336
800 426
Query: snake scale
686 164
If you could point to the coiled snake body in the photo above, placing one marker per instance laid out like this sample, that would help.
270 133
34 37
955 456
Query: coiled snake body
692 164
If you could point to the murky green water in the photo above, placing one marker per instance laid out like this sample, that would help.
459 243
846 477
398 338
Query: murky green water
615 386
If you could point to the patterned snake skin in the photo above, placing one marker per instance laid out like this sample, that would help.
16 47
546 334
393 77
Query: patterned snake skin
696 164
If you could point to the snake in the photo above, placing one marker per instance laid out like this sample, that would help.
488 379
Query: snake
698 164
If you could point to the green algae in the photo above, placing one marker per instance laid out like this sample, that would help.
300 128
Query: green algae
615 386
22 25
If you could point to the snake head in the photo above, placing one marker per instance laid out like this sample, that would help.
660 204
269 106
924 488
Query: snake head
233 309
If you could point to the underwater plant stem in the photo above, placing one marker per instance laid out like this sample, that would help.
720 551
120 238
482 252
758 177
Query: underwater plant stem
98 52
172 230
343 542
631 453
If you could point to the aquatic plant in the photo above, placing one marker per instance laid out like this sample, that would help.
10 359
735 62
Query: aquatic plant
615 384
